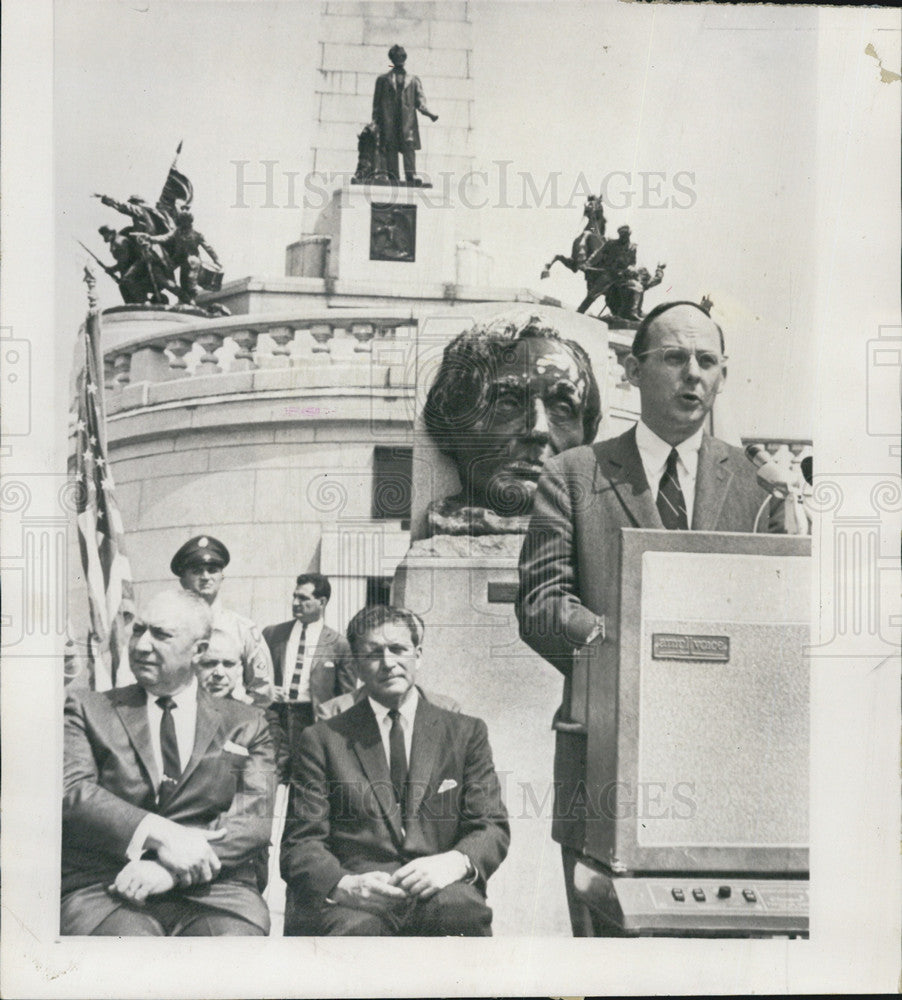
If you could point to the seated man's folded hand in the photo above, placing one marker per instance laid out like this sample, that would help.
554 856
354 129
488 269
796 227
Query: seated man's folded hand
140 879
423 877
368 891
185 851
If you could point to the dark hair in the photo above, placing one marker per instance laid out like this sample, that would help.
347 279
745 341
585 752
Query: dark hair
640 341
396 50
459 394
378 615
321 585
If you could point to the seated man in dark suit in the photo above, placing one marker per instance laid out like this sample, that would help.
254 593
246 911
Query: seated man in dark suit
312 664
396 820
167 793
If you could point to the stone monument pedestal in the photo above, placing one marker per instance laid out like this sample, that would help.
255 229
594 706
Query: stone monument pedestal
380 233
464 588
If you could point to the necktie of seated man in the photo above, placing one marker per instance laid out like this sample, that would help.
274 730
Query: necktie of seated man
169 747
671 502
295 688
397 757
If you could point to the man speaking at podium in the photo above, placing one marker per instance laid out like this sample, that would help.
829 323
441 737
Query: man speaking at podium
666 472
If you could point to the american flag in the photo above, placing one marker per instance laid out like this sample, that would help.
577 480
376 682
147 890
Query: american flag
100 532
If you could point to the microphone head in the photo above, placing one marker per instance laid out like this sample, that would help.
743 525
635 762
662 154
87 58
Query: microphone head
807 469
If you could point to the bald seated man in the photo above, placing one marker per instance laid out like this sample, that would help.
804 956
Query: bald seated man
666 472
167 793
219 668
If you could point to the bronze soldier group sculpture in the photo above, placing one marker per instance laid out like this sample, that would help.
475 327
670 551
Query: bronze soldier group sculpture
160 241
609 267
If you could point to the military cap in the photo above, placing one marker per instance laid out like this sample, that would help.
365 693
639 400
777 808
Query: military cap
201 549
624 229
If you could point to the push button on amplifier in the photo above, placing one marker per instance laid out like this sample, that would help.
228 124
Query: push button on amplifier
749 896
724 892
698 895
678 895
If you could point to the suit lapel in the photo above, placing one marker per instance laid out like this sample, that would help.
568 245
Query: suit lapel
423 752
205 730
621 467
367 744
711 483
131 706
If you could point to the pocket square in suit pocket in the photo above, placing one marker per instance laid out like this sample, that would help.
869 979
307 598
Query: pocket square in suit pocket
446 786
236 748
328 665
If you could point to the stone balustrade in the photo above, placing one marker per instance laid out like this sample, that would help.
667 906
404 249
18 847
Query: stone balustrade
251 342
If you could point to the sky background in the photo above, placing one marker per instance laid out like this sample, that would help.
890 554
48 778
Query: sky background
719 100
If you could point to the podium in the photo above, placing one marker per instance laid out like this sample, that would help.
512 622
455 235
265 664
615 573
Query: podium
697 739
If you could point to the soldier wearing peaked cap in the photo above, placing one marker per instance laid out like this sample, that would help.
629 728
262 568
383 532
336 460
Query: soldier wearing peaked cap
199 564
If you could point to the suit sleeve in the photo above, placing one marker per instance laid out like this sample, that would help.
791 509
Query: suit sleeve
420 98
377 103
248 821
484 829
553 620
92 816
306 862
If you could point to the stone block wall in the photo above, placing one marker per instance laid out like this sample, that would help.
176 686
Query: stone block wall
353 51
267 492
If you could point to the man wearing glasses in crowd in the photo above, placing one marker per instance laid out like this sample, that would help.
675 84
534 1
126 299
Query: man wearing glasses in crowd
666 472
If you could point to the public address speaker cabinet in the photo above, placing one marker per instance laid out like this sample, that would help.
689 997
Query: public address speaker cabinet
697 712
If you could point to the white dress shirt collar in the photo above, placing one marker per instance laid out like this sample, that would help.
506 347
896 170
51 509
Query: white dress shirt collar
185 718
312 635
408 711
654 452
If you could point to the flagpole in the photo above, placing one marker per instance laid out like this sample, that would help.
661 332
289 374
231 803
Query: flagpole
94 338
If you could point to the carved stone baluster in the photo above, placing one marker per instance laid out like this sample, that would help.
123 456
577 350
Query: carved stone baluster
178 347
122 364
322 333
363 333
281 336
209 363
245 359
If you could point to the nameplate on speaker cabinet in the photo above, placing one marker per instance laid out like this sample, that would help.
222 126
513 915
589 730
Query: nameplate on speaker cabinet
671 646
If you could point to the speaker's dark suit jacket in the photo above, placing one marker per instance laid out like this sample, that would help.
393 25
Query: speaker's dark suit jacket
343 817
332 673
570 563
110 781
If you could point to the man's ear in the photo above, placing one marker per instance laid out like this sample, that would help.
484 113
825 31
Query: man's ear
200 647
632 368
723 378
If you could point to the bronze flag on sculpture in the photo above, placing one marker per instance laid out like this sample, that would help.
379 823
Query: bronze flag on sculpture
178 192
100 533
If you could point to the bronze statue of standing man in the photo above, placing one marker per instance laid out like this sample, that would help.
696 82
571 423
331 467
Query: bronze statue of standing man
397 99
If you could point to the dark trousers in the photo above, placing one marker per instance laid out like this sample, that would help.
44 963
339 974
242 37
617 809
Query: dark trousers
581 919
459 909
409 155
175 918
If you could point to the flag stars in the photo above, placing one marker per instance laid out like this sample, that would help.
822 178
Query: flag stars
92 388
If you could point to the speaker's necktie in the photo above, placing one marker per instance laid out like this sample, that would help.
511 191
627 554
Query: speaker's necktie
295 688
397 757
169 747
671 502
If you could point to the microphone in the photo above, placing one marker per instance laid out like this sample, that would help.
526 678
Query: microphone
770 476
